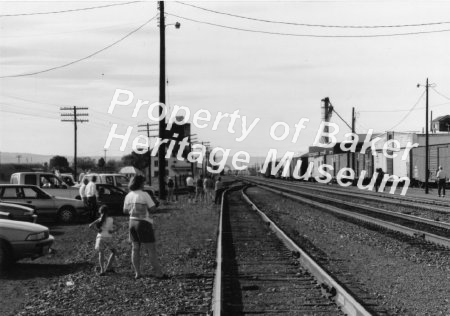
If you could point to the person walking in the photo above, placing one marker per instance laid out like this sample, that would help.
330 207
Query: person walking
170 189
200 193
218 188
208 186
83 192
191 188
441 176
104 239
138 204
91 195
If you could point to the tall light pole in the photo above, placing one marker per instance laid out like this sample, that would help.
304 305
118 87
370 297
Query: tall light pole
427 172
162 98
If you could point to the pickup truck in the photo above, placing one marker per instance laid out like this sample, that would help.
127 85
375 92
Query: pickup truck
115 179
47 181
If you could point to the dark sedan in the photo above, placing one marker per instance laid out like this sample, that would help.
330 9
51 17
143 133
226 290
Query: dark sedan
114 197
111 196
17 212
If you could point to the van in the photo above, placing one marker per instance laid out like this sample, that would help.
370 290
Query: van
115 179
47 181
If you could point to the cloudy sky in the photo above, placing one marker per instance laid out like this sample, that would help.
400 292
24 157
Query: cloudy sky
364 54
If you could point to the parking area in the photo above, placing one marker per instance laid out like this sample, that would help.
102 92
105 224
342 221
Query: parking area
67 278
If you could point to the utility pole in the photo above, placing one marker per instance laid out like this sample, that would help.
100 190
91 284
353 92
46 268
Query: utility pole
73 117
426 141
353 132
149 156
427 171
162 99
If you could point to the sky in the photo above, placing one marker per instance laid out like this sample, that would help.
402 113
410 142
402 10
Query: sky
361 54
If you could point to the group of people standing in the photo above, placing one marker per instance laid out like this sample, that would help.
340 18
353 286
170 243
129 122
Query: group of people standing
139 205
204 189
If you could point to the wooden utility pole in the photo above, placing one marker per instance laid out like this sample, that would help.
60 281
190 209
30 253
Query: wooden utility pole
162 100
73 117
427 172
353 132
148 130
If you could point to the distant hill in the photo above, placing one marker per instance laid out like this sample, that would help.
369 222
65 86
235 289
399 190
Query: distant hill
29 158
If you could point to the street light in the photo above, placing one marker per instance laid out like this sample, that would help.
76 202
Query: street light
162 97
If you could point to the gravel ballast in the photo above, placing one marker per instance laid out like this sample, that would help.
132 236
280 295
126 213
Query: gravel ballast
66 282
400 275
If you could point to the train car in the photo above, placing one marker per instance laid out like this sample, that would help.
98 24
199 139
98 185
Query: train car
438 155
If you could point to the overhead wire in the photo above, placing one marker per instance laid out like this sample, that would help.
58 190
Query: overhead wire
442 95
409 112
69 10
308 24
307 35
81 59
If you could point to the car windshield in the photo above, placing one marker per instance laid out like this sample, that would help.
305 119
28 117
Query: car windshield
36 192
122 181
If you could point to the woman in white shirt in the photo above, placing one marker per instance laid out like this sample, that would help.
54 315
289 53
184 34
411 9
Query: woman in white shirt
138 204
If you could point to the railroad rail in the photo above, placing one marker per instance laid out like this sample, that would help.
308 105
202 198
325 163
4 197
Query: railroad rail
428 230
422 202
261 270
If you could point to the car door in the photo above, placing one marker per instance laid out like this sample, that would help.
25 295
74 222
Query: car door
43 203
112 197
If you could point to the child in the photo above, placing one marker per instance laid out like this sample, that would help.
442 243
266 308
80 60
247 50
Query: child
105 227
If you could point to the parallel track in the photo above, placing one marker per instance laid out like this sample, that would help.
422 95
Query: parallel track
396 199
435 232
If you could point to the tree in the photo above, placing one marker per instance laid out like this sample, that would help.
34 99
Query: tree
101 163
112 165
86 163
59 162
136 160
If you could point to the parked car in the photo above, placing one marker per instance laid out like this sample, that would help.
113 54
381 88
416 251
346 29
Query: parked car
116 179
68 179
64 209
114 197
17 212
111 196
19 240
47 181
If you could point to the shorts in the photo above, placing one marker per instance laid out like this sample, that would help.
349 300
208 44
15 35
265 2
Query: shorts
200 190
141 231
102 243
191 189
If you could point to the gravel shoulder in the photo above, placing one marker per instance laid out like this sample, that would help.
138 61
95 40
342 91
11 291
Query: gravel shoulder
66 282
400 275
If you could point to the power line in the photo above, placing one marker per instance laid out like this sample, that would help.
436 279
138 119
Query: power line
409 112
307 35
81 59
312 25
442 95
66 11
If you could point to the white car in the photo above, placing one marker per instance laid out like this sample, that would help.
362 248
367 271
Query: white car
65 210
19 240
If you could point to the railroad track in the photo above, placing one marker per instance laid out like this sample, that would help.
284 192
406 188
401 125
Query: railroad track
262 271
425 229
442 206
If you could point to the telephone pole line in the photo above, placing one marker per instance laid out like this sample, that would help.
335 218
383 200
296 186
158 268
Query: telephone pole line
73 117
427 171
148 130
162 99
353 132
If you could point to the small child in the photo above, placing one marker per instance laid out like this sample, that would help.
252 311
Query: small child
104 239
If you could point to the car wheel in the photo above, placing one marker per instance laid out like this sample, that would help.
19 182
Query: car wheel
5 256
66 214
